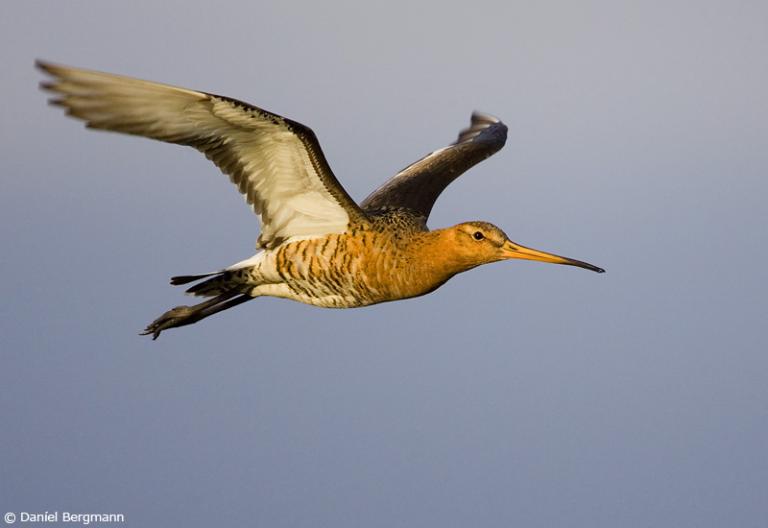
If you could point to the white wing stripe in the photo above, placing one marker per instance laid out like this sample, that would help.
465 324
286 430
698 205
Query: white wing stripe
275 163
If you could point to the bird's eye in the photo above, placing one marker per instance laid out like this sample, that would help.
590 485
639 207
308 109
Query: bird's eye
478 235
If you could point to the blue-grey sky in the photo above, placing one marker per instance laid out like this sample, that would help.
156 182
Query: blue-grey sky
518 394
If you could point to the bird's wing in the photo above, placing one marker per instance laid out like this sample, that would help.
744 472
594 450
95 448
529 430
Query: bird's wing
276 163
416 187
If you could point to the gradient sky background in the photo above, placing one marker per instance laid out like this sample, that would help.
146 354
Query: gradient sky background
519 394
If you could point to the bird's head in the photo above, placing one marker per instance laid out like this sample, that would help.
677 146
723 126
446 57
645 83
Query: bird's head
476 243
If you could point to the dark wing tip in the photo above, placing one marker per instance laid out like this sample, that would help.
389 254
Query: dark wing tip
48 67
485 126
478 116
50 85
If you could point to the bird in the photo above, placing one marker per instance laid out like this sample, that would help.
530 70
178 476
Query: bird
316 244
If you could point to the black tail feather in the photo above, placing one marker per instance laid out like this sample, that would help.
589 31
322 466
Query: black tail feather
184 279
217 284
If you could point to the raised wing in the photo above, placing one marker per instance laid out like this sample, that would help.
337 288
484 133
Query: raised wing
416 187
276 163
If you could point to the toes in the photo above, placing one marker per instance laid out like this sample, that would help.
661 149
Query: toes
174 317
153 329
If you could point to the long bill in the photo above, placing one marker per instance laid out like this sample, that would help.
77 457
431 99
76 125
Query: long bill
516 251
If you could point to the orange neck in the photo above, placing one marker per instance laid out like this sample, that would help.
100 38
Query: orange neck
434 259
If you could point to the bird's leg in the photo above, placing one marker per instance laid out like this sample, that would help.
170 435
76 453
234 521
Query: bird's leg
186 315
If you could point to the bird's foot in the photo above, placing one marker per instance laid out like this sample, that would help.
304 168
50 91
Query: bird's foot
179 316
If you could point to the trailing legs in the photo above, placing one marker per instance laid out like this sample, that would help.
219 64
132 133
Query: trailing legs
186 315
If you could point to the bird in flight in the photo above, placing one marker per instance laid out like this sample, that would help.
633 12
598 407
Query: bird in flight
316 245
